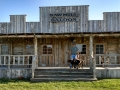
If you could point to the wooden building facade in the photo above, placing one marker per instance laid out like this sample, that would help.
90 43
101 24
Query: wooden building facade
49 40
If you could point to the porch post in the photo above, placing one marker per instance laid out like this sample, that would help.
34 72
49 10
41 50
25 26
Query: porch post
94 68
91 51
36 50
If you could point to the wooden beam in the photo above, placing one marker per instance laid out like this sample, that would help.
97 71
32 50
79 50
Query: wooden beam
75 35
18 36
57 35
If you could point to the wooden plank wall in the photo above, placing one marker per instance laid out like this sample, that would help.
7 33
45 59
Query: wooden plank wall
62 27
15 42
32 27
111 21
96 26
60 55
5 28
18 23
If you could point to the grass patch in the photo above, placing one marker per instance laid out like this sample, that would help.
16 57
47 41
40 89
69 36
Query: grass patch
101 84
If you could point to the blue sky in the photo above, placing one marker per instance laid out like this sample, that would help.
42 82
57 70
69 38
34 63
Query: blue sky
31 7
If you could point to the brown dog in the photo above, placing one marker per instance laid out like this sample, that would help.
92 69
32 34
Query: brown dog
80 65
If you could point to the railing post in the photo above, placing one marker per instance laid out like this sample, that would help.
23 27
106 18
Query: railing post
4 60
94 68
115 59
23 59
8 62
13 60
18 60
0 59
9 65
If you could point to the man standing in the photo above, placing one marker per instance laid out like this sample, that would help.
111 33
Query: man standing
73 51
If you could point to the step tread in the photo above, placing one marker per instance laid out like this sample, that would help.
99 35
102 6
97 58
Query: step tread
61 79
60 72
73 69
63 75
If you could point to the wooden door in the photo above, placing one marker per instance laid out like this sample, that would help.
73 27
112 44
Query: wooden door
54 54
46 57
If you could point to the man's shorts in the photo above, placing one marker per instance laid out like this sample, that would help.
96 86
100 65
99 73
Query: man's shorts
72 57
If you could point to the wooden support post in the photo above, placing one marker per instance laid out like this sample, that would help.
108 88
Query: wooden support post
36 49
94 68
91 51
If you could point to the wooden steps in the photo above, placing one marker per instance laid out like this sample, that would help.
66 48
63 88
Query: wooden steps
63 75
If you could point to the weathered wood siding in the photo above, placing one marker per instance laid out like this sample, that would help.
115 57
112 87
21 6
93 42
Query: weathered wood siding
15 73
18 23
5 28
111 21
96 26
62 19
16 46
60 51
32 27
108 72
64 26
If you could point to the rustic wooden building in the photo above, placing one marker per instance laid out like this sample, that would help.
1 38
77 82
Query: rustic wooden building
47 42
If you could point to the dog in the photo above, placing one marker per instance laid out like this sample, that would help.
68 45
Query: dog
76 63
103 62
80 65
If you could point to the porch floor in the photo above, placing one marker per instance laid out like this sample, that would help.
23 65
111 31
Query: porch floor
97 68
79 68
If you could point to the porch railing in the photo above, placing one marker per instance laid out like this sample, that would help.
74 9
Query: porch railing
86 60
107 60
16 61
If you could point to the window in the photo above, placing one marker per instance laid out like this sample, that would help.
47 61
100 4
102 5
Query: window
81 48
18 50
30 49
99 49
4 49
47 49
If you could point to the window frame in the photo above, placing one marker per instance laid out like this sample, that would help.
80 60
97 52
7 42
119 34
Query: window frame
33 51
14 52
9 47
47 50
103 48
